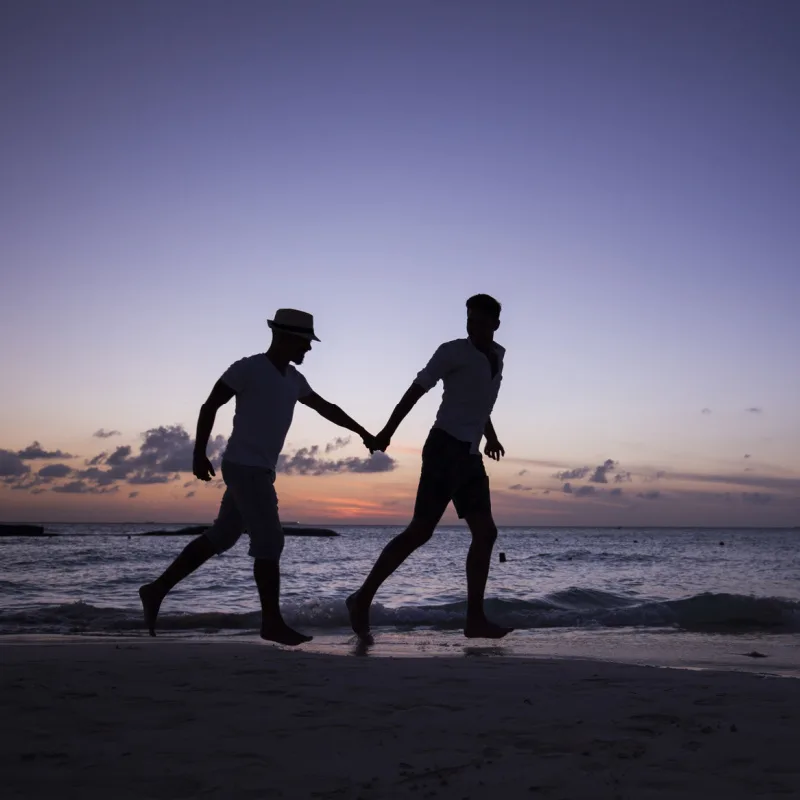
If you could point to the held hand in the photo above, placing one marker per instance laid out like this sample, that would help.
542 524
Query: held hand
494 449
369 441
201 467
382 440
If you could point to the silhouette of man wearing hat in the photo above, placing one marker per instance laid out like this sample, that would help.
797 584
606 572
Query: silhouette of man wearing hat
266 387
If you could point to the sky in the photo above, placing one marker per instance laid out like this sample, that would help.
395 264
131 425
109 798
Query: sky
623 176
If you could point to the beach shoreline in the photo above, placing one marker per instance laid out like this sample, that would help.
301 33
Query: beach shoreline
133 717
761 654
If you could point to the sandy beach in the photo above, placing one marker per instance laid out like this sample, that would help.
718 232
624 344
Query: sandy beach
161 719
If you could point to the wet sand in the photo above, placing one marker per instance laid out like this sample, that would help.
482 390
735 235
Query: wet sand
133 718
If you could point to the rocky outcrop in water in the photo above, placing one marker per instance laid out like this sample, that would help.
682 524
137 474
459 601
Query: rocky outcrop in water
288 530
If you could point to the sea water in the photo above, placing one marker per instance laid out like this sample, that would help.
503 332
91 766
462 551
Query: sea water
722 598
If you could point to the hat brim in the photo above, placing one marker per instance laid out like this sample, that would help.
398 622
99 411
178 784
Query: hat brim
303 333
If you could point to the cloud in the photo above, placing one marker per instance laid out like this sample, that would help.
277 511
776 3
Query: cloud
27 481
567 488
756 498
98 459
81 487
190 494
147 478
616 492
751 481
518 487
74 487
133 494
747 455
337 444
38 490
35 450
55 471
164 453
102 477
754 410
655 476
187 484
599 475
522 472
104 434
584 491
119 456
706 411
652 495
11 464
307 461
573 474
623 477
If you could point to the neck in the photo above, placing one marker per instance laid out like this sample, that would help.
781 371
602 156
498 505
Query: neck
484 345
279 359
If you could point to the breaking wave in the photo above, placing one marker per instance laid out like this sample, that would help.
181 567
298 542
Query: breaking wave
570 608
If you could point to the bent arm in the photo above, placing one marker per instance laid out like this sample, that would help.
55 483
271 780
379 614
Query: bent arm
220 394
407 402
332 413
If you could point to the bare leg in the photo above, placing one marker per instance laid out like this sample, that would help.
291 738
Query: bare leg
194 555
479 557
392 556
268 580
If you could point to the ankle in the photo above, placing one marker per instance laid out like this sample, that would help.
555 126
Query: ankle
363 597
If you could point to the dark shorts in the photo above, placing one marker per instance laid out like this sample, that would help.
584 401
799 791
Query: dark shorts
451 472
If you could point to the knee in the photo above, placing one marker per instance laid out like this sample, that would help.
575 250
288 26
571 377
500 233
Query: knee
485 534
419 532
220 538
203 547
267 543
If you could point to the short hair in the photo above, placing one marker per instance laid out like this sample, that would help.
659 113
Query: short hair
485 303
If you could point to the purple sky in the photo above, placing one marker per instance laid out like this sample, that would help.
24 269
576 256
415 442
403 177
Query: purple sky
625 181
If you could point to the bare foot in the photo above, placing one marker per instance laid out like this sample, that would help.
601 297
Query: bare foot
483 629
151 602
281 633
359 617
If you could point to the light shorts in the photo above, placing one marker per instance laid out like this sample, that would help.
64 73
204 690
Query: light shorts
249 503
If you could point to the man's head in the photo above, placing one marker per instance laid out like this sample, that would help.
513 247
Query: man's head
292 333
483 317
292 348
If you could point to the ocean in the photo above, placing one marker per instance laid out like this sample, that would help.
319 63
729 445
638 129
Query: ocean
697 598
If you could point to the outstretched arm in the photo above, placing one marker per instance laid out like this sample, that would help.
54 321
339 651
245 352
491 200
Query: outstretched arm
335 415
407 402
493 448
220 394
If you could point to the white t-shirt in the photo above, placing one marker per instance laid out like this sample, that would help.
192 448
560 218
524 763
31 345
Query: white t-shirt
470 390
265 402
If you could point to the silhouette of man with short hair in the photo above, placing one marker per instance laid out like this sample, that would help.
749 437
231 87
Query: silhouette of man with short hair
452 467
